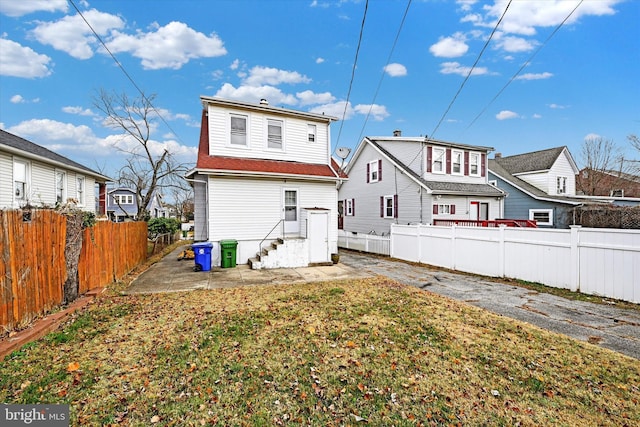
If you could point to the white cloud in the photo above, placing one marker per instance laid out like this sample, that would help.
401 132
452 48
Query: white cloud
396 70
17 99
591 136
235 64
506 115
309 97
523 17
254 93
515 44
170 46
558 106
335 109
465 5
21 61
46 131
72 35
536 116
78 111
535 76
273 76
378 112
319 60
20 8
457 68
450 47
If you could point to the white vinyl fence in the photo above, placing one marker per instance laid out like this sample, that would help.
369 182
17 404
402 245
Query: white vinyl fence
595 261
364 242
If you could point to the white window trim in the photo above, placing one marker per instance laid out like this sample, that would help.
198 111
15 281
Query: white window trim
386 199
444 209
312 133
348 209
266 132
118 199
247 130
548 211
81 196
443 170
27 183
453 156
373 168
63 196
479 166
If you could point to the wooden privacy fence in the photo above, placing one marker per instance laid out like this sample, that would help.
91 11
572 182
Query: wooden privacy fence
32 261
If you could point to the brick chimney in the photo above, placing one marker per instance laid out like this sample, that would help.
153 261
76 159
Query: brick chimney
497 156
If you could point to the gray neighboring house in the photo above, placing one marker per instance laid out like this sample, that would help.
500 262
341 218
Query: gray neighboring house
540 185
407 180
31 175
122 205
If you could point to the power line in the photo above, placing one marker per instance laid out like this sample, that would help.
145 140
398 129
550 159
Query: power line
404 17
353 72
144 97
525 64
472 68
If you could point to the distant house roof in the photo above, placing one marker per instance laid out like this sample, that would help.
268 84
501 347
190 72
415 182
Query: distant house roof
440 187
531 190
534 161
28 149
250 166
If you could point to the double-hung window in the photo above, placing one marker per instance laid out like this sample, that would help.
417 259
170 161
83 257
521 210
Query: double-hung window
389 206
437 164
457 162
20 180
561 185
311 133
238 134
61 180
374 171
123 199
274 134
350 207
80 193
474 164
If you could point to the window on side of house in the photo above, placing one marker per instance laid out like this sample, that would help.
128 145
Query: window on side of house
374 171
311 133
541 216
474 164
123 199
561 185
616 193
61 181
441 209
350 207
80 193
438 160
389 206
274 134
20 180
238 133
457 162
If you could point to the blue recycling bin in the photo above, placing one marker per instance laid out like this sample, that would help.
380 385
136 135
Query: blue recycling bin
202 252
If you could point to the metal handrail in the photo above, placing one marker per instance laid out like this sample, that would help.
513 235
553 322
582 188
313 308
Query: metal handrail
269 233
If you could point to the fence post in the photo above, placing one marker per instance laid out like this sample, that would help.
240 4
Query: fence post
419 241
501 245
453 247
391 241
575 257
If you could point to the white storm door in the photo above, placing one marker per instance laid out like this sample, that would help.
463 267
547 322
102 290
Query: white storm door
291 211
318 235
474 211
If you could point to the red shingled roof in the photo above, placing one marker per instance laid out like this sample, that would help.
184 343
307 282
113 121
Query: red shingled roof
240 164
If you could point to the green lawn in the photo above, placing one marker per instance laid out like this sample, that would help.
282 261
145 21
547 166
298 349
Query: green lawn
339 353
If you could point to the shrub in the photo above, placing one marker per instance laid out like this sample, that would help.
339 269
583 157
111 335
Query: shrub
157 226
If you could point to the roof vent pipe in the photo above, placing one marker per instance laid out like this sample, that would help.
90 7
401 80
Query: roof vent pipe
264 102
397 132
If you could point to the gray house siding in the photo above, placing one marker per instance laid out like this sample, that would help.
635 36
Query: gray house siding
519 204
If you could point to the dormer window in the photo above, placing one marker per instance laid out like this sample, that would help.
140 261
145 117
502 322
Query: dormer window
311 133
561 185
437 164
456 162
238 130
474 164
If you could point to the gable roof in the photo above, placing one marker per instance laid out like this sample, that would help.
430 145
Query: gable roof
535 161
224 165
24 148
531 190
434 187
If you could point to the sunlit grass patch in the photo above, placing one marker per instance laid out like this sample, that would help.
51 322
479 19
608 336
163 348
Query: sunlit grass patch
336 353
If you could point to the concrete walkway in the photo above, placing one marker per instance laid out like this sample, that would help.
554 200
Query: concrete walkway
605 325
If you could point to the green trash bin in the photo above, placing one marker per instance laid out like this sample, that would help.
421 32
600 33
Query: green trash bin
228 253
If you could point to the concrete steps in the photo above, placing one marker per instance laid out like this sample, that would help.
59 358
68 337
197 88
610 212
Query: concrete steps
282 253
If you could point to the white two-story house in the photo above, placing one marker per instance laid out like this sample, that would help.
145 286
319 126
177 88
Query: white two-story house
265 173
407 180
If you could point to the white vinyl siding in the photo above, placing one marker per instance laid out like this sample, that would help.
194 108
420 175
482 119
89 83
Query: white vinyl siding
296 146
6 181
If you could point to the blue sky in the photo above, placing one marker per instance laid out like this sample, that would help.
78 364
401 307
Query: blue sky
299 54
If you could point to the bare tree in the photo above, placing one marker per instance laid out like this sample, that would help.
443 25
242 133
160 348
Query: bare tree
634 140
146 170
600 157
183 200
